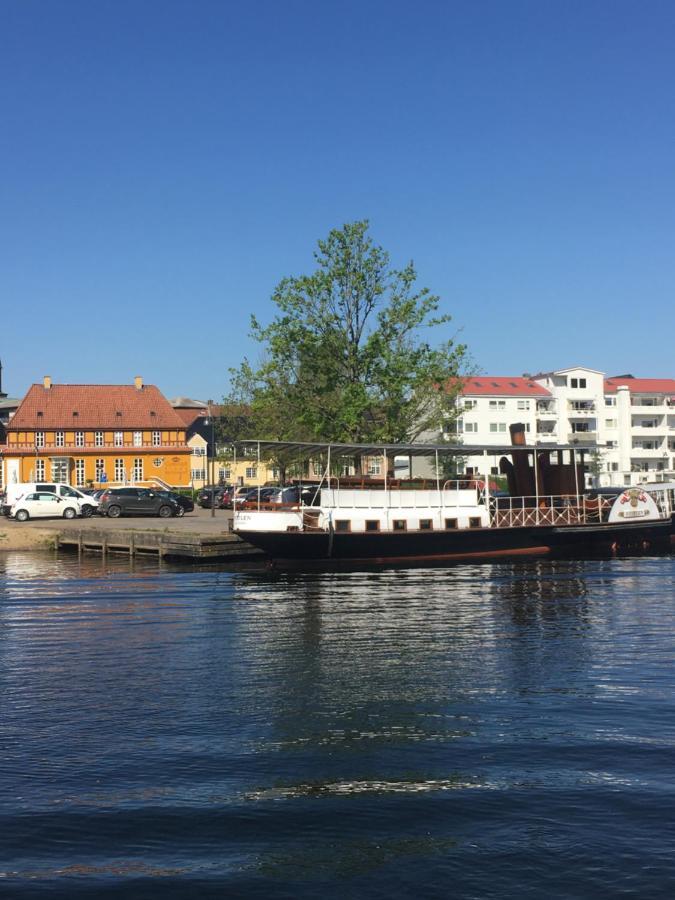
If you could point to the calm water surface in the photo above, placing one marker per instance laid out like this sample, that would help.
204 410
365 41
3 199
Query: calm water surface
472 732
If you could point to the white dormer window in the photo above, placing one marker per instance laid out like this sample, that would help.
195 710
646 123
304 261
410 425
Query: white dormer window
60 439
138 438
156 438
39 439
79 438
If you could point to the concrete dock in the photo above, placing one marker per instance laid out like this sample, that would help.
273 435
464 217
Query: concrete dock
195 536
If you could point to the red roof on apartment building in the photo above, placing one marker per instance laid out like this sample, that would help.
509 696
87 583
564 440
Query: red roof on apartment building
98 406
510 386
642 385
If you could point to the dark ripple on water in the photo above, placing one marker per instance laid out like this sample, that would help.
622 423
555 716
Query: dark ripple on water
480 731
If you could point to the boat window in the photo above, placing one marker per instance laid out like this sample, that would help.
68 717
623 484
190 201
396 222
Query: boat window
292 528
343 525
451 523
400 525
474 522
426 525
372 525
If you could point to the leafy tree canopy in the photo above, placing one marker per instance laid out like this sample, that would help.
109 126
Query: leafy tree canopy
348 357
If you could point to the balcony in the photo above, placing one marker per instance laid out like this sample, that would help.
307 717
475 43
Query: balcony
546 410
580 411
582 437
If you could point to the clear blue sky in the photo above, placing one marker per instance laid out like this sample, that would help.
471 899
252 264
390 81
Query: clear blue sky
164 164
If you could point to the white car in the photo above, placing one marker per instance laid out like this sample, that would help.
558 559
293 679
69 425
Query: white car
41 504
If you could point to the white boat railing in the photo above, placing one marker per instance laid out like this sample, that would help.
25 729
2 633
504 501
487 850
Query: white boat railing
514 512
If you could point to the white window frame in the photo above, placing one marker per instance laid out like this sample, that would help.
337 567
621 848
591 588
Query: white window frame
39 439
138 438
59 439
79 438
120 472
251 471
138 469
79 473
156 438
98 439
40 474
99 468
118 439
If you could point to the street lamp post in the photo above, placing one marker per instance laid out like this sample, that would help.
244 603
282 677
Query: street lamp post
213 450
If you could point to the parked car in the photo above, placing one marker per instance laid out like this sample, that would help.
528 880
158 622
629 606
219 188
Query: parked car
134 501
43 504
222 496
85 504
185 504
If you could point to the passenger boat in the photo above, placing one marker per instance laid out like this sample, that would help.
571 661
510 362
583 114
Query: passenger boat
547 511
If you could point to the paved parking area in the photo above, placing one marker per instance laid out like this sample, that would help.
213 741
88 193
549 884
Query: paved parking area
200 521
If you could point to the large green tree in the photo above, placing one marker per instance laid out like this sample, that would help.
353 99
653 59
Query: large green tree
349 355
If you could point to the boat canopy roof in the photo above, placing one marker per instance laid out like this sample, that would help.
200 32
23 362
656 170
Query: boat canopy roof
302 448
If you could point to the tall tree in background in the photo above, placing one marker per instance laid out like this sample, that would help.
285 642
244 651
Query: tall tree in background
344 359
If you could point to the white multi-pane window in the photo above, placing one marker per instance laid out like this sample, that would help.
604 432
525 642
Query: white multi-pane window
199 451
100 469
118 439
138 469
224 474
523 404
119 470
79 438
470 404
156 438
471 427
497 404
251 472
79 472
374 467
39 470
60 438
610 401
497 427
198 474
39 439
98 439
138 438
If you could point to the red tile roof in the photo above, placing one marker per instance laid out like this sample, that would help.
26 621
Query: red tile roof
510 386
98 406
642 385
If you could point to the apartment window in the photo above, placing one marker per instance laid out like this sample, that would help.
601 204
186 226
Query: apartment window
199 451
610 423
138 469
611 445
523 404
156 438
347 469
119 470
198 474
614 467
372 525
497 427
497 404
60 439
39 439
471 427
577 382
374 467
610 401
79 438
138 438
118 439
79 472
100 469
98 439
470 404
224 474
40 470
251 472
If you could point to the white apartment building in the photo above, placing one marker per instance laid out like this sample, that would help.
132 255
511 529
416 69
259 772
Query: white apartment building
632 420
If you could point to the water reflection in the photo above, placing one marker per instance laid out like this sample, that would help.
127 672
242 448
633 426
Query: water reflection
192 720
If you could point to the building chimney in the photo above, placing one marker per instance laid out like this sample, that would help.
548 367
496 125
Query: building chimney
47 382
138 381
